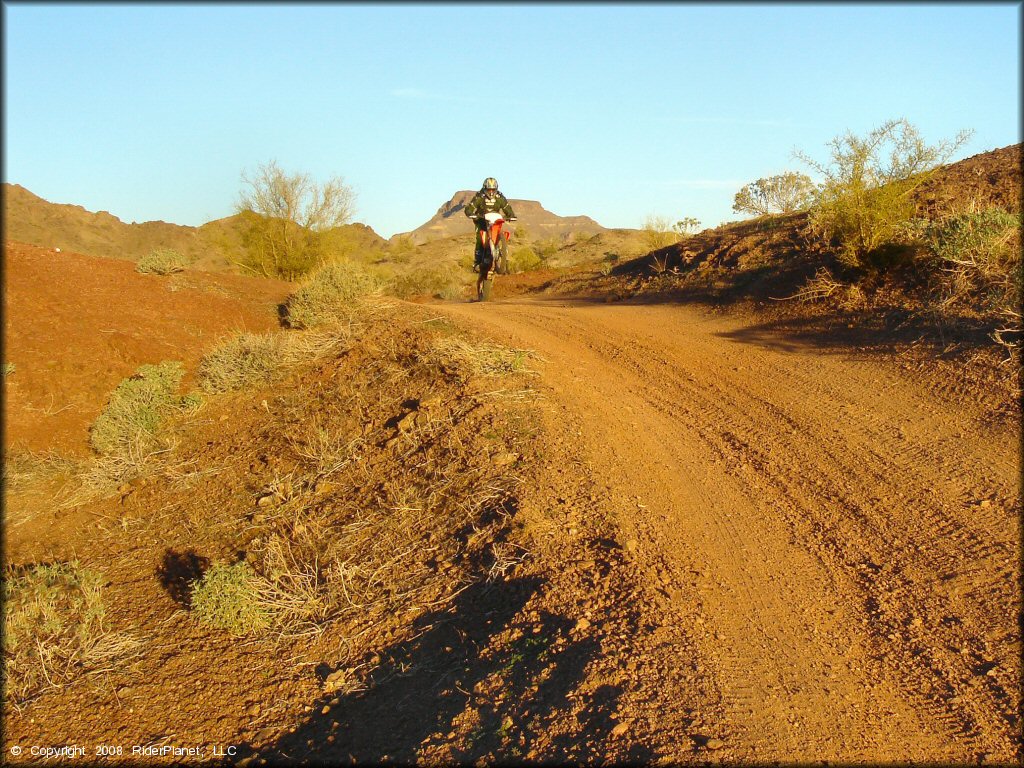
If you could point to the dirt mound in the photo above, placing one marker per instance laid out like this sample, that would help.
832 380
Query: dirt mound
986 179
533 218
75 325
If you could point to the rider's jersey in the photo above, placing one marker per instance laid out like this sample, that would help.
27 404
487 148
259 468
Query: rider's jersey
480 205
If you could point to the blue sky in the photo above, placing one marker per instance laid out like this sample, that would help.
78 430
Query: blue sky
613 111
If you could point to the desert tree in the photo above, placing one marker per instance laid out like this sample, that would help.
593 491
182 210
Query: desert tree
291 220
785 193
686 226
865 199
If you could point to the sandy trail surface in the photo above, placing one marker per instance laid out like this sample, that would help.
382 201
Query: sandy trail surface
851 529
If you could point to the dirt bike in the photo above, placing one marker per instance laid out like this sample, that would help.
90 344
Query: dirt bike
495 255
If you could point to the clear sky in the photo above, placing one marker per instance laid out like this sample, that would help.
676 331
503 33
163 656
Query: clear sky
613 111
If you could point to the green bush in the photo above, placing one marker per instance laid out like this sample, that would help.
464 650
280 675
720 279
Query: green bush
523 259
229 597
658 233
441 283
244 360
330 292
53 628
129 423
548 247
162 262
978 253
983 240
865 201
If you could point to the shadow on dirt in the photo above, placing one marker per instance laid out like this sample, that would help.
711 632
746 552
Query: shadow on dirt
448 689
867 332
177 573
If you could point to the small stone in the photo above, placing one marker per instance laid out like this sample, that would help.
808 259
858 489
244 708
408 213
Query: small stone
407 422
714 743
326 709
986 504
583 624
631 545
265 501
504 459
620 729
254 710
431 402
335 680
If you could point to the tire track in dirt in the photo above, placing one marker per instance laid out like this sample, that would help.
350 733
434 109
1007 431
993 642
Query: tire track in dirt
854 533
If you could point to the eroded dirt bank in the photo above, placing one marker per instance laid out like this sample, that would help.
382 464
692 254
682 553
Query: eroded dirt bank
844 535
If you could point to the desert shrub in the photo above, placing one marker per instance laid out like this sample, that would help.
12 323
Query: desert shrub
137 407
785 193
330 292
290 220
162 261
401 249
865 199
547 247
984 240
523 259
979 253
244 360
53 628
229 597
439 282
657 231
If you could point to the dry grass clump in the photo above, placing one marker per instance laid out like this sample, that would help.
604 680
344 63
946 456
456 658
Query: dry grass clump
244 360
162 261
53 629
330 293
441 283
24 469
136 409
482 358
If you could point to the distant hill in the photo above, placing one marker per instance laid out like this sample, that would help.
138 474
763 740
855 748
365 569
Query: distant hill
30 219
537 222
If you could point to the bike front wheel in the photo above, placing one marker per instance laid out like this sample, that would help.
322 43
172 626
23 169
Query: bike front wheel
501 256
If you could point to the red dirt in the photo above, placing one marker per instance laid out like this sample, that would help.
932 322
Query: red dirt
77 325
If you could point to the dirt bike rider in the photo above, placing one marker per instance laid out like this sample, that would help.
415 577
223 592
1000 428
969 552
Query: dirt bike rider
487 200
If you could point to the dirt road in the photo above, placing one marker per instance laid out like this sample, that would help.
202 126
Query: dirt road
852 531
